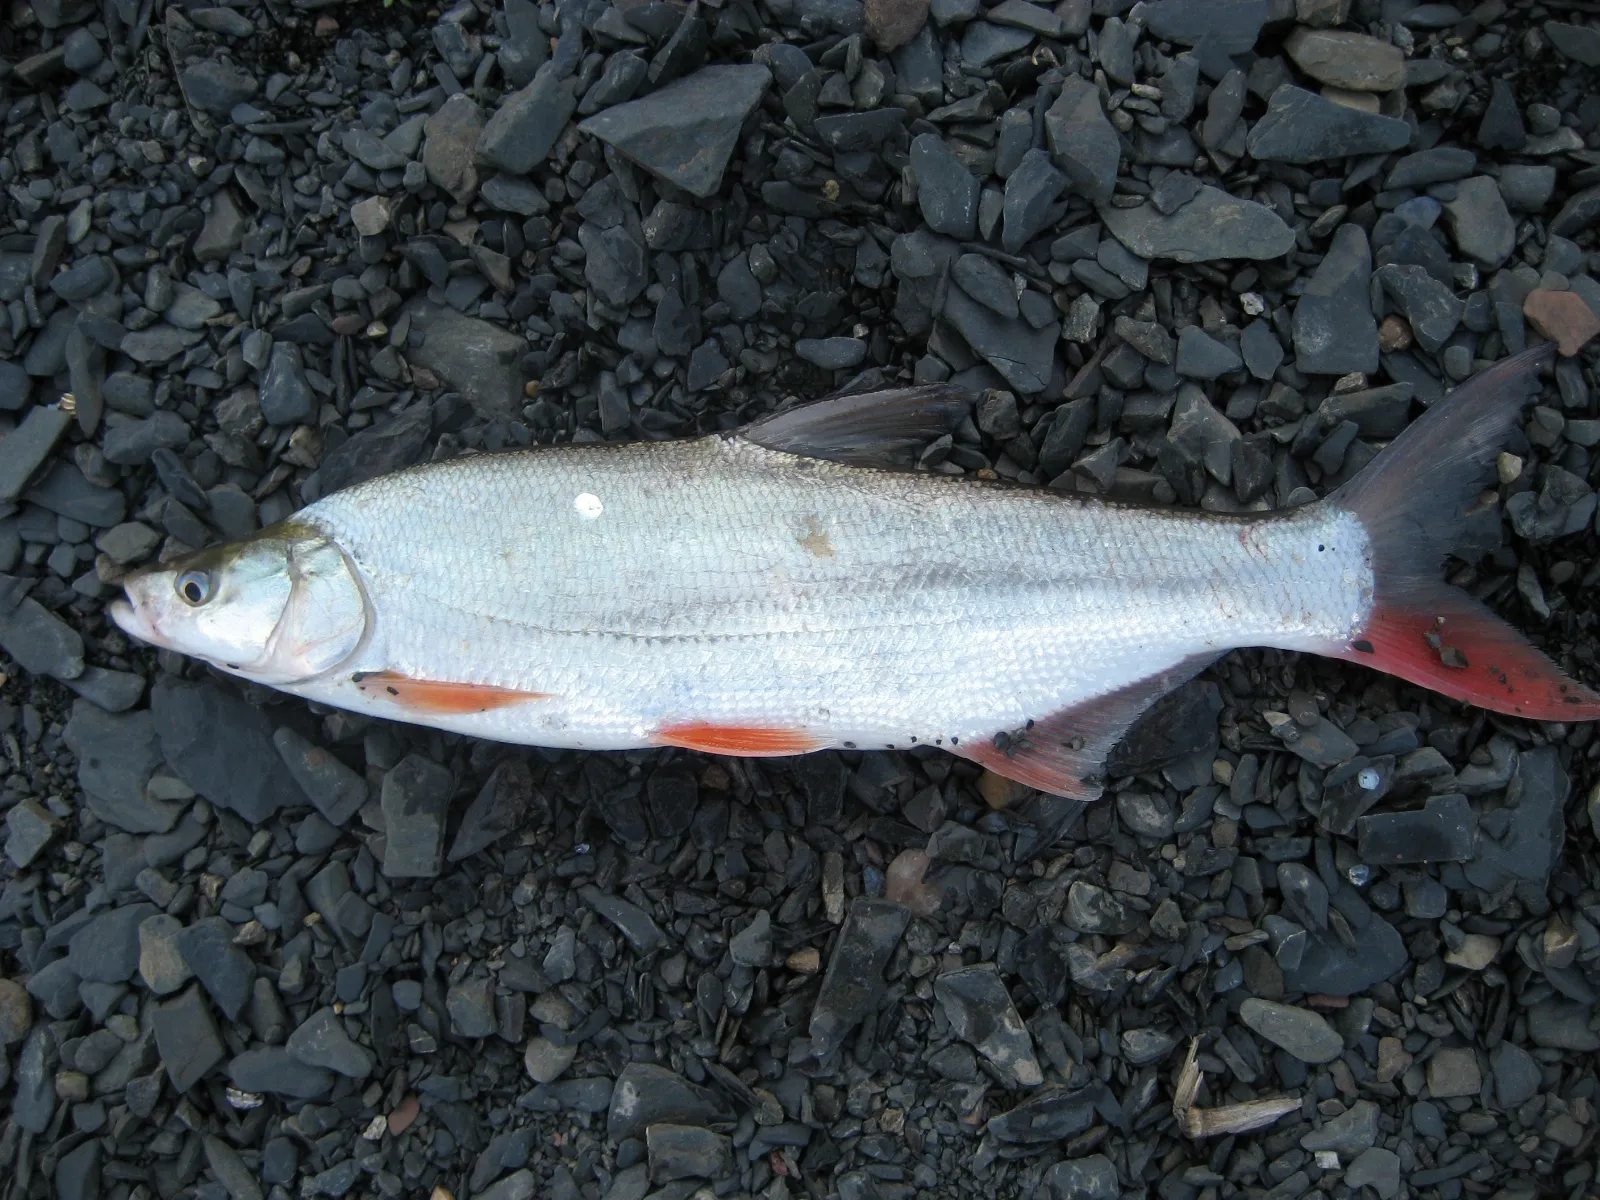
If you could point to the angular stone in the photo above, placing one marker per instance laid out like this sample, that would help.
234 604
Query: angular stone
1346 59
1331 968
117 755
1431 309
321 1041
497 811
631 921
24 451
214 86
1563 317
1024 356
1440 164
1227 27
523 130
1579 211
161 962
1334 330
1444 830
1303 127
979 1010
1201 356
1092 1178
854 977
1083 143
416 798
685 1151
648 1095
1483 227
946 191
1212 225
893 23
1030 192
221 746
1580 43
685 133
187 1038
1303 1033
1454 1071
106 948
449 146
479 359
224 970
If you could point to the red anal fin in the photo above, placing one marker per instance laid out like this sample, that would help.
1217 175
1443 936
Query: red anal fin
743 741
1452 644
1065 753
437 697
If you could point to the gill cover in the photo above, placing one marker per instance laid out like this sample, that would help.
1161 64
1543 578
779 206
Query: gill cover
280 607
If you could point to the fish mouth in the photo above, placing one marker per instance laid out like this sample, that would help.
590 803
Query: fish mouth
134 623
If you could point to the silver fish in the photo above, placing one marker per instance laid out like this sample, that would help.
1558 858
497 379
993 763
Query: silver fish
762 593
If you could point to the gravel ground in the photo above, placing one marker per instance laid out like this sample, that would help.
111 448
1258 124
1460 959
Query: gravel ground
1211 253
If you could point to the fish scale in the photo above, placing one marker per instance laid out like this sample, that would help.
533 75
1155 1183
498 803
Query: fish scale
729 583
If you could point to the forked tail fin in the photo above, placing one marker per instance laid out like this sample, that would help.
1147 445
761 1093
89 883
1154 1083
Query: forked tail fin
1411 500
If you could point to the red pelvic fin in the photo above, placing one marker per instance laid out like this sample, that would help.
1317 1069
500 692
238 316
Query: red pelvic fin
1447 641
742 741
436 697
1065 753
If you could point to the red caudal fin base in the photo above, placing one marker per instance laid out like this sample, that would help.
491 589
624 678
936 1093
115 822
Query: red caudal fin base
1411 500
1452 644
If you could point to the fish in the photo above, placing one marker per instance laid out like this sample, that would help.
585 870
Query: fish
790 587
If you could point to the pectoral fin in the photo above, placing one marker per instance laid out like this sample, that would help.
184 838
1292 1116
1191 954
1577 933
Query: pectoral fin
437 697
1065 753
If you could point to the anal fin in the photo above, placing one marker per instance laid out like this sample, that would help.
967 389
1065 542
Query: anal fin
740 741
1065 753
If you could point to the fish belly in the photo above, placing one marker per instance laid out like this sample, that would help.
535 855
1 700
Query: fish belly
630 590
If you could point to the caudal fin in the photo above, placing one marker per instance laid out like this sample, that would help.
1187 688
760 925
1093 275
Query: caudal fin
1411 501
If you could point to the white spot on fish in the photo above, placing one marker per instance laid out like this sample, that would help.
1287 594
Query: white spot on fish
588 505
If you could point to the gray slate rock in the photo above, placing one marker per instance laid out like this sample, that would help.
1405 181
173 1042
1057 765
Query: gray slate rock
25 450
450 146
416 799
187 1038
946 191
648 1095
1212 225
1092 1178
336 790
980 1011
832 354
321 1041
1024 356
1430 308
1030 193
1482 225
224 970
522 131
1201 356
106 949
286 397
854 978
685 133
687 1152
1301 1032
631 921
222 747
116 756
1334 329
272 1069
1303 127
1443 830
1083 142
986 282
497 811
214 86
478 359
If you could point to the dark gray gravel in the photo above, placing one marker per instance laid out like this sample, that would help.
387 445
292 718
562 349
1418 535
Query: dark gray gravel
1211 253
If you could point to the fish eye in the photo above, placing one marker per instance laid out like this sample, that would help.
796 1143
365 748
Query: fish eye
194 587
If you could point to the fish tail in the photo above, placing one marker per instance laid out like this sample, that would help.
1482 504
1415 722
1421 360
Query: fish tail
1411 500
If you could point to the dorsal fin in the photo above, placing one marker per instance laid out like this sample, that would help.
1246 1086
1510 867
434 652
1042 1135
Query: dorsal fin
888 428
1065 753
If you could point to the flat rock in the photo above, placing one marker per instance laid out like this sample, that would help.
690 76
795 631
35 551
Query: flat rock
321 1041
1301 1032
106 949
685 133
1091 1178
24 451
687 1151
272 1069
854 977
1562 317
893 23
481 360
1482 225
1331 968
1083 143
1228 26
1334 330
497 810
1342 58
1303 127
1030 192
334 789
117 755
161 962
221 746
1580 43
222 968
946 191
449 149
215 86
1024 356
648 1095
523 130
643 934
980 1011
1443 830
416 798
1212 225
1431 309
187 1038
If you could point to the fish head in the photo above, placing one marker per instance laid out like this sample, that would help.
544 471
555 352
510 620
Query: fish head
280 607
